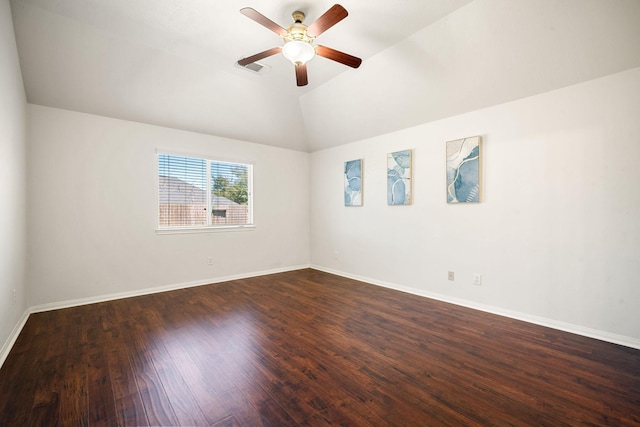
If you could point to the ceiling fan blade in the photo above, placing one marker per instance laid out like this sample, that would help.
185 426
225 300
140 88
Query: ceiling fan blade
263 20
336 55
258 56
301 74
330 18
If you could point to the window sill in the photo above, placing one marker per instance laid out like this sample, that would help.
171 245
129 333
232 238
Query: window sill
195 230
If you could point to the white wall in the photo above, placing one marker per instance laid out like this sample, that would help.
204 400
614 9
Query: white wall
12 183
93 209
557 236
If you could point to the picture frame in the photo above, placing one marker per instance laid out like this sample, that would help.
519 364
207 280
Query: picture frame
463 163
399 178
353 190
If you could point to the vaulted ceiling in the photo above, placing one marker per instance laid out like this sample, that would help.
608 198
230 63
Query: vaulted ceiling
172 62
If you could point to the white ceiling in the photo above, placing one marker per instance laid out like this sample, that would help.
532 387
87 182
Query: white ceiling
171 62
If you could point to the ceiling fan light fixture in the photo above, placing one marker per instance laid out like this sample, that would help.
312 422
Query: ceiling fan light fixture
298 52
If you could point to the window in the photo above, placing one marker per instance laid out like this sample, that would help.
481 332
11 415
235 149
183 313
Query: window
196 193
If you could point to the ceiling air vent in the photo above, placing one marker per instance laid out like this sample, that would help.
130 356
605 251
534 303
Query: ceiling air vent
255 67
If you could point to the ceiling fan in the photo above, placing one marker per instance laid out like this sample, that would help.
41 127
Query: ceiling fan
298 40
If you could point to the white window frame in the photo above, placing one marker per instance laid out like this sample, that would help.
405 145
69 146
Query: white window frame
209 227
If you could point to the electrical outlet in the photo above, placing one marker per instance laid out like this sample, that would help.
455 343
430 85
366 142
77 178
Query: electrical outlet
210 261
14 296
477 279
450 276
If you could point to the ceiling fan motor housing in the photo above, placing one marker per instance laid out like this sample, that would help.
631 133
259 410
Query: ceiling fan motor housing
298 16
298 31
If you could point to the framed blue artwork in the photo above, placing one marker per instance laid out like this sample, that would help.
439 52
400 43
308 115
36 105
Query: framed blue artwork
463 170
353 183
399 178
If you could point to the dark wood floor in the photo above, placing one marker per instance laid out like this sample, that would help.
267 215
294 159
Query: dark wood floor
308 348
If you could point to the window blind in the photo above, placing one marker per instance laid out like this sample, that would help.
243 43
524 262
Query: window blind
196 192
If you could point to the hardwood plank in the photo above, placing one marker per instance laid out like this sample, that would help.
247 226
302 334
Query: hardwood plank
202 377
226 422
308 348
130 411
46 405
157 407
102 409
185 407
74 395
19 385
129 408
46 412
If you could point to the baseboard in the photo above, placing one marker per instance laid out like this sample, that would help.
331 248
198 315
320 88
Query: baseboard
13 336
550 323
147 291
